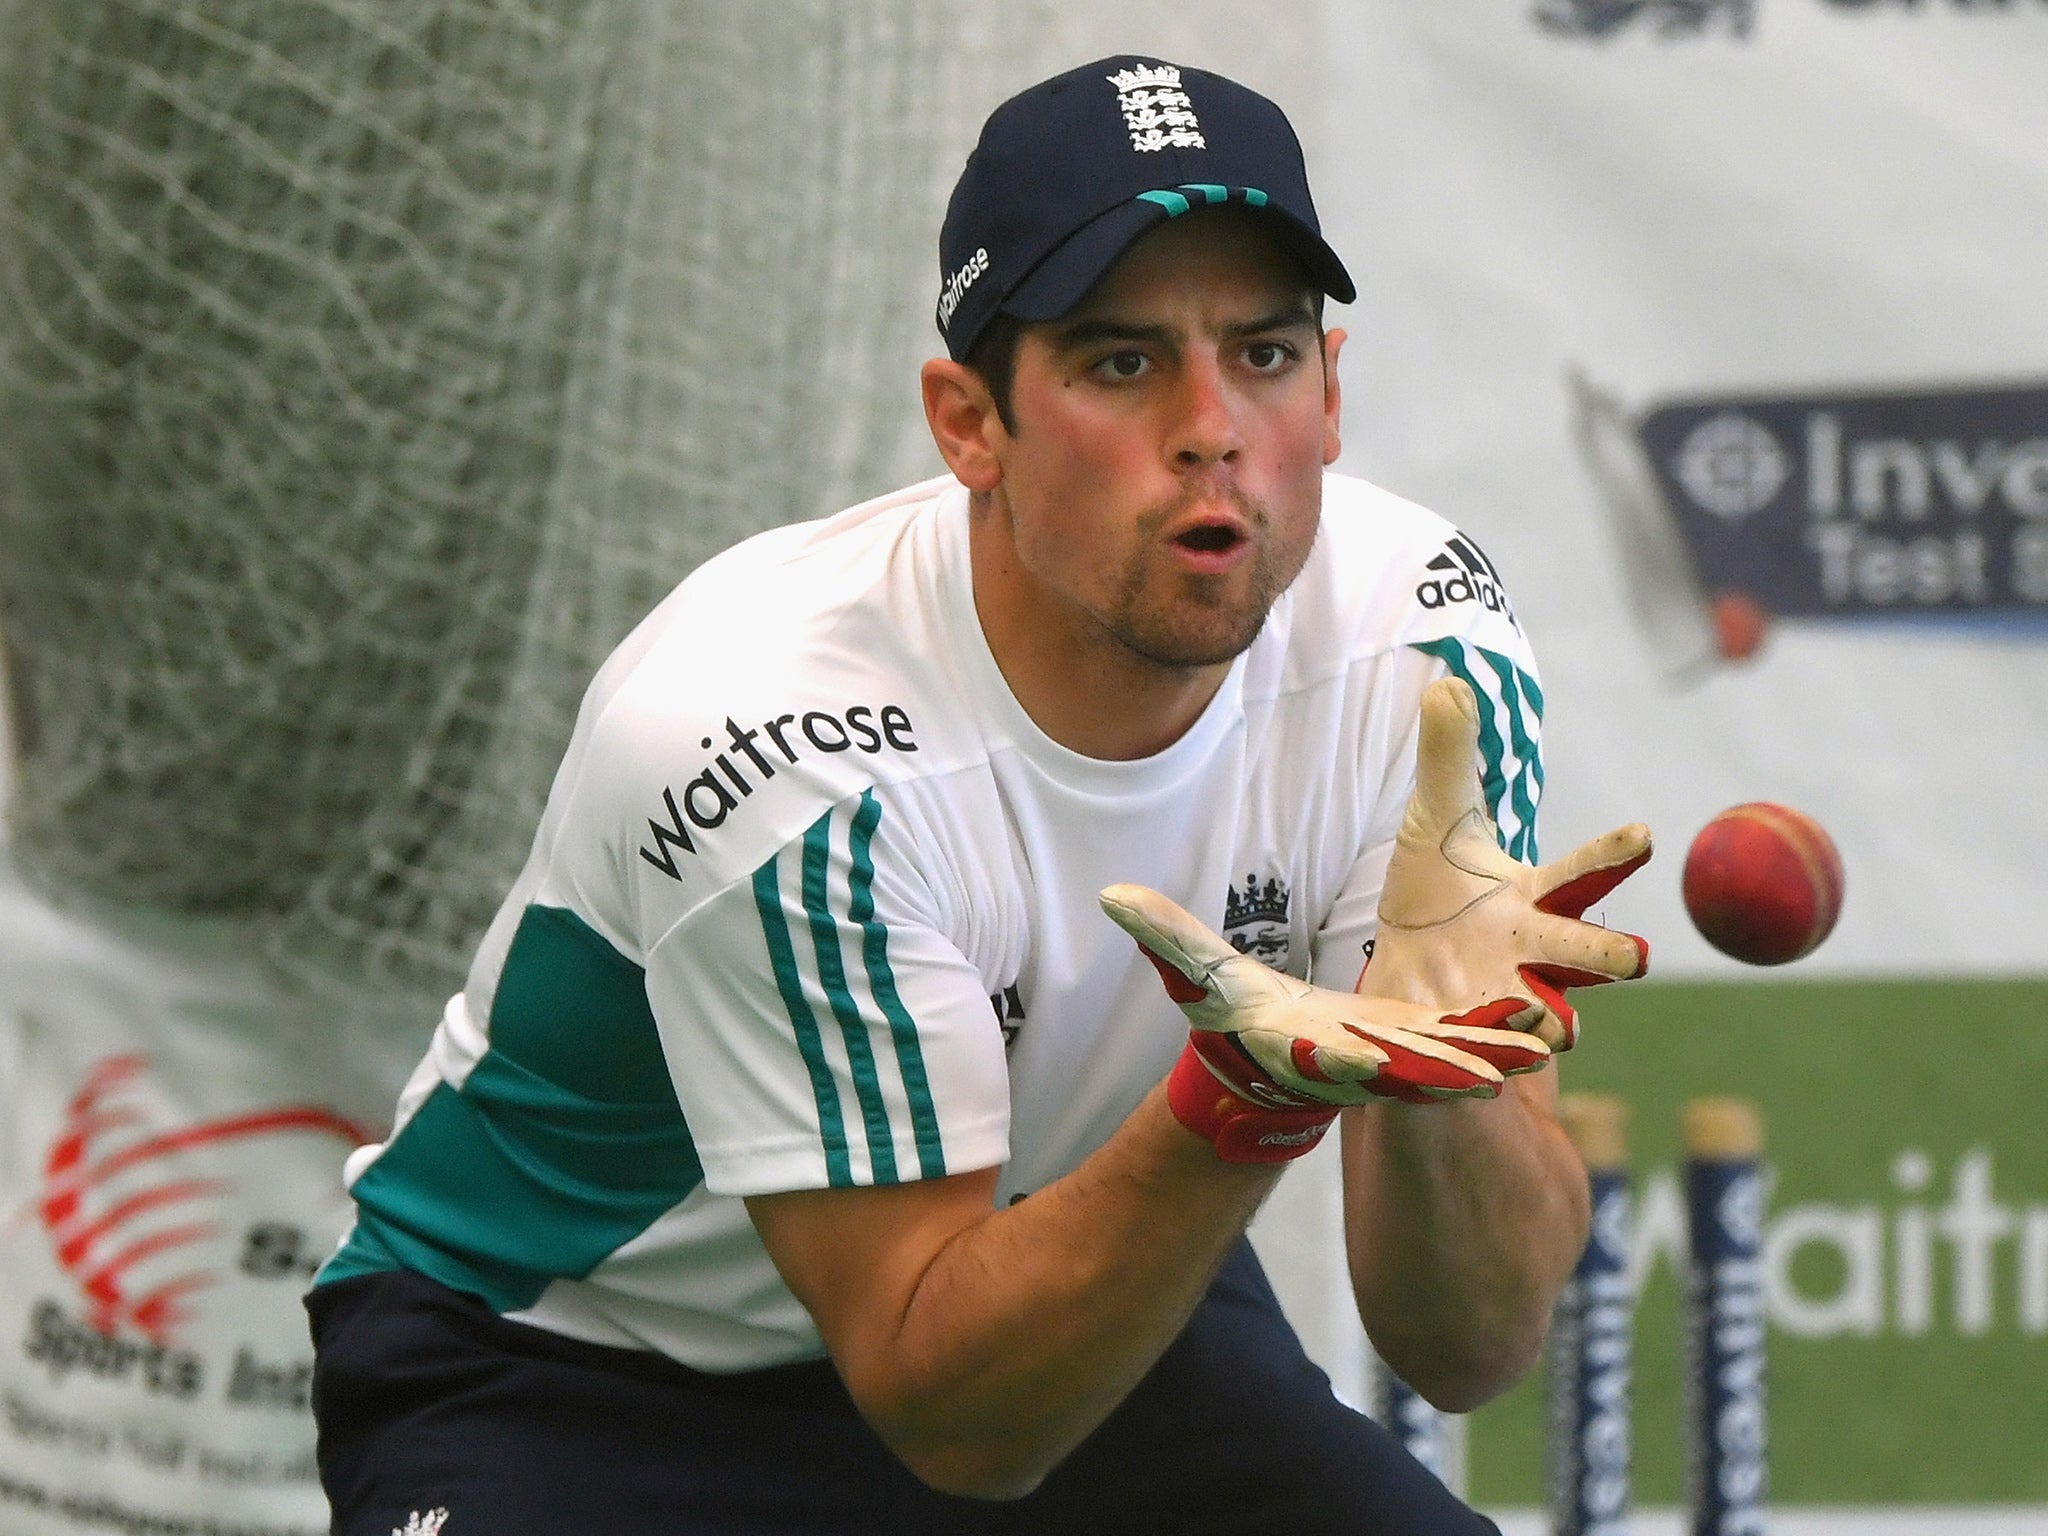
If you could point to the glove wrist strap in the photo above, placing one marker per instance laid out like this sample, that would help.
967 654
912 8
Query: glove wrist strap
1241 1131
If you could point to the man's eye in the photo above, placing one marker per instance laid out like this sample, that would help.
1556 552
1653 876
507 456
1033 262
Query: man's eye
1124 365
1266 356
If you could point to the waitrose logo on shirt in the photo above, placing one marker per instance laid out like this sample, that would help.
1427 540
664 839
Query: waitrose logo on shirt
748 758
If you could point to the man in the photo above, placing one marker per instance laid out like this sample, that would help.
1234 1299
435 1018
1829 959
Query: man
806 1151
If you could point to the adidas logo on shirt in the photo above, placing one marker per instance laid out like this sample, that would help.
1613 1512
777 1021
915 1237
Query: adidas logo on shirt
1466 576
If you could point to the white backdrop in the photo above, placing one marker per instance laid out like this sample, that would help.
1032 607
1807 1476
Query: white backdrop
1847 196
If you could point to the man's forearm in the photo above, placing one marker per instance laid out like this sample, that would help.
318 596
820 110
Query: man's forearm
1462 1222
1021 1329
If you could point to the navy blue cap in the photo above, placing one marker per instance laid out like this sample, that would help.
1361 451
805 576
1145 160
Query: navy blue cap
1070 172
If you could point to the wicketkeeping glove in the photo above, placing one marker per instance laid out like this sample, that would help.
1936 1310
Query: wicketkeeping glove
1461 919
1270 1058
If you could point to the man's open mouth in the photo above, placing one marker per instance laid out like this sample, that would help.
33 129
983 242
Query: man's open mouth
1210 538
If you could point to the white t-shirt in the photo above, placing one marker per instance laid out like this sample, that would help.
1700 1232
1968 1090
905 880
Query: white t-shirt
813 903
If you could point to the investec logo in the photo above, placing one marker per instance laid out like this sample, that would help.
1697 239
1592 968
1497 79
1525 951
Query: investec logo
1589 1424
1901 500
1463 574
1733 466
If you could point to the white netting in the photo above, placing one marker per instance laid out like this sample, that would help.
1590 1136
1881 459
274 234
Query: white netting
368 366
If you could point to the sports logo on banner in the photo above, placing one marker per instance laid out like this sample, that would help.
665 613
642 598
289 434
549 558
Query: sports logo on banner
154 1361
1850 506
140 1236
1666 18
1677 20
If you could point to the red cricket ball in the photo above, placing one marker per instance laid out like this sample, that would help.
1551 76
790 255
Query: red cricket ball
1763 883
1740 625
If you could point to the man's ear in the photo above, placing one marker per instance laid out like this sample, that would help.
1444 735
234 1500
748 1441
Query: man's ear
964 423
1333 396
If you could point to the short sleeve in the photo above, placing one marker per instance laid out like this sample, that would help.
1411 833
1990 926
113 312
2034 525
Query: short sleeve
820 1030
1461 624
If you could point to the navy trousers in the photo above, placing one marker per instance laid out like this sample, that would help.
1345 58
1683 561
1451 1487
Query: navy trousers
428 1402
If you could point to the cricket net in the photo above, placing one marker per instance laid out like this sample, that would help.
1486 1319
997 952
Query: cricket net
367 367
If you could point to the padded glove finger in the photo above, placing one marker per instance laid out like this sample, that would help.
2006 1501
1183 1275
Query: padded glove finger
1460 918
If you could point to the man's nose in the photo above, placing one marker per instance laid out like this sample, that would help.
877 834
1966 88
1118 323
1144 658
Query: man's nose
1205 427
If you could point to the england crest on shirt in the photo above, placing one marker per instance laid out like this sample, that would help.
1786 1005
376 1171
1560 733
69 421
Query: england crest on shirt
1255 919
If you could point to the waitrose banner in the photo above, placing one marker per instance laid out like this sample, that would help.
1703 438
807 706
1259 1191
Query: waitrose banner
1905 1236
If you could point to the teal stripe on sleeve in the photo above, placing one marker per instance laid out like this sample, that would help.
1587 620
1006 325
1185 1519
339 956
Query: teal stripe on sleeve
1500 790
1452 653
564 1142
1523 844
853 1029
782 954
924 1117
1532 693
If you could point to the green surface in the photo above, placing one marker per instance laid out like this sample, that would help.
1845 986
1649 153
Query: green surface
1875 1096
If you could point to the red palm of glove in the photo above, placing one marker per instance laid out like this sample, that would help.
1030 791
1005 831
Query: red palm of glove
1548 980
1408 1075
1270 1058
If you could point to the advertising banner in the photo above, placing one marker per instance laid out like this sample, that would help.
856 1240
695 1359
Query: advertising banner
170 1175
1903 1239
1719 327
1910 505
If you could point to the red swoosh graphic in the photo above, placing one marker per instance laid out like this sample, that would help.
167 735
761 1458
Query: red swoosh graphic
72 1173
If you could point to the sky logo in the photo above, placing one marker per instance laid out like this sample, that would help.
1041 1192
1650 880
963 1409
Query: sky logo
1664 18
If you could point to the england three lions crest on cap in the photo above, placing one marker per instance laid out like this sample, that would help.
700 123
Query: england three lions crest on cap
1156 109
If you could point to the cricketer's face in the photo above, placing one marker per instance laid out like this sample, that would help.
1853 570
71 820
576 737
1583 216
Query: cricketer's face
1164 481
